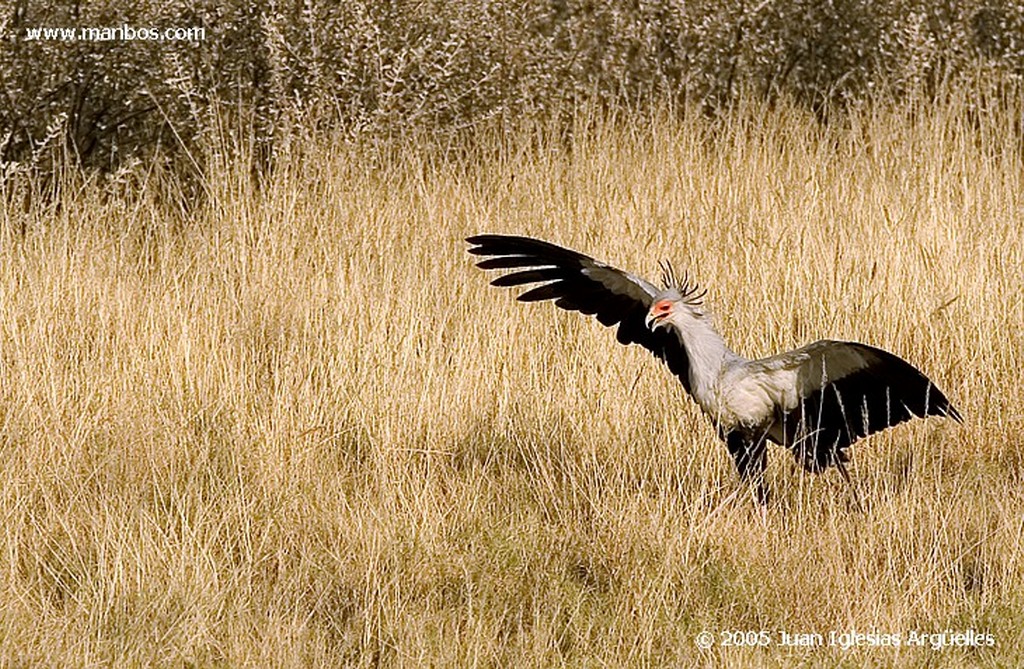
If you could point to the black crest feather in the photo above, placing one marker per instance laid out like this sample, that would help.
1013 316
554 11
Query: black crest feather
691 292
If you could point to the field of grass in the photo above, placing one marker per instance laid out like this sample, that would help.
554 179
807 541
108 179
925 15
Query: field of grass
296 427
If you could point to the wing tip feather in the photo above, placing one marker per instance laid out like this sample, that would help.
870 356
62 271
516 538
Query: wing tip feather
950 411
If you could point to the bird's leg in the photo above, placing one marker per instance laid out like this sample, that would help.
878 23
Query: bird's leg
841 466
750 457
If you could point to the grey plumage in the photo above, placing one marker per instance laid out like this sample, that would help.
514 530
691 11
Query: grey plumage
816 400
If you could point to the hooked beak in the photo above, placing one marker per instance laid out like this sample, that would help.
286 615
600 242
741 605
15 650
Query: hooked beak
659 311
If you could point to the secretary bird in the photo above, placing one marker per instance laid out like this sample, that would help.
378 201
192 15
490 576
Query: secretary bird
816 400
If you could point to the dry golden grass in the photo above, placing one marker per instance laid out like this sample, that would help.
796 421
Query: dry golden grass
298 428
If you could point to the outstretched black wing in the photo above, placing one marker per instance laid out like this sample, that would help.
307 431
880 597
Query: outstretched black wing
579 283
848 391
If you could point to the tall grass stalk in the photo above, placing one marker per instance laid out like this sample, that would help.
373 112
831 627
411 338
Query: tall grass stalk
292 425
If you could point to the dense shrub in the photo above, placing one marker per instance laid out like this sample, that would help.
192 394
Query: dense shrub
388 68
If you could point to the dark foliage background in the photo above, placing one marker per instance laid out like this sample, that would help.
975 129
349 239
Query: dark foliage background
387 69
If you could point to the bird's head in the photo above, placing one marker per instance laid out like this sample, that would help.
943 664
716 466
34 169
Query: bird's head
679 303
